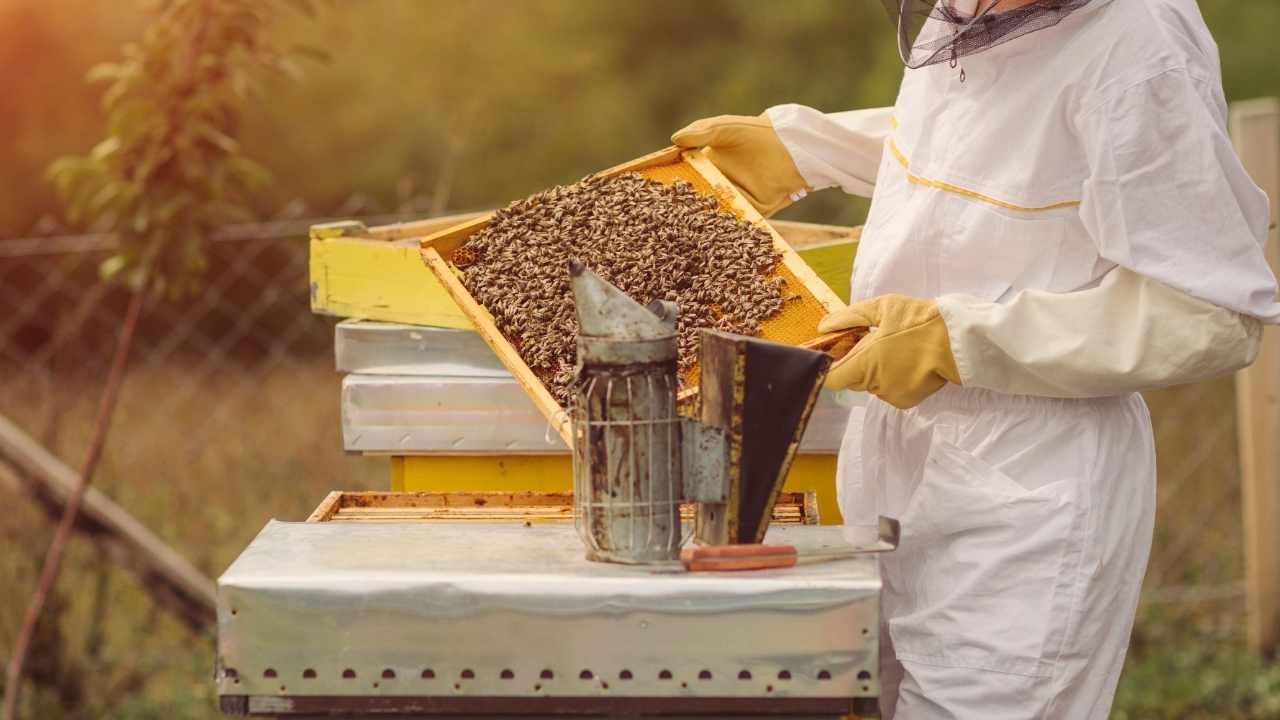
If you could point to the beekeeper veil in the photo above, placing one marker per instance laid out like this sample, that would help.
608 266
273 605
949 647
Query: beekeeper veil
934 31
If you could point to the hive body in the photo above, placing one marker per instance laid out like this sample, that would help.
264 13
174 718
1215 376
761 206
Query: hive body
626 461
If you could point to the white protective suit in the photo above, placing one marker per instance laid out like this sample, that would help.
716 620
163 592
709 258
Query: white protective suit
1076 208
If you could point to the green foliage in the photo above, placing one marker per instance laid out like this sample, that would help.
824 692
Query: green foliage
470 104
171 169
1246 32
477 103
1184 667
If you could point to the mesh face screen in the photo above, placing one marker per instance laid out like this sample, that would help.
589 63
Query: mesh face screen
934 31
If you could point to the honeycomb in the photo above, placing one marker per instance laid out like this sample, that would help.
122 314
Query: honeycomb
797 322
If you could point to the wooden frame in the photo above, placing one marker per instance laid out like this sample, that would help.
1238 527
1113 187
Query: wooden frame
790 258
437 248
1255 131
791 508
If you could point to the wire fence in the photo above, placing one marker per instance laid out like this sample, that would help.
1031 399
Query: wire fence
230 415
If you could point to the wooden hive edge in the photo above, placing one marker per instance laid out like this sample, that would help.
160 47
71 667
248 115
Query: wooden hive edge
415 229
327 507
798 507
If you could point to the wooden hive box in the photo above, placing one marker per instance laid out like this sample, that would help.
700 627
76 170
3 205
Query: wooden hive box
795 324
792 508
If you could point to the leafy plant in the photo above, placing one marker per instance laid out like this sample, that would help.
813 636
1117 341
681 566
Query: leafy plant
171 169
169 172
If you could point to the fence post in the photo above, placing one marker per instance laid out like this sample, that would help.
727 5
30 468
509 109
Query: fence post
1255 131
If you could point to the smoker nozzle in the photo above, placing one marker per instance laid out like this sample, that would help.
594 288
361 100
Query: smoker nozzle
604 311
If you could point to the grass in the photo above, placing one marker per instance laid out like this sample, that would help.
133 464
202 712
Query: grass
206 462
1192 665
204 465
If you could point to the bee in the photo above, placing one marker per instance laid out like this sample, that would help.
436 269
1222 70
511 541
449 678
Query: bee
649 239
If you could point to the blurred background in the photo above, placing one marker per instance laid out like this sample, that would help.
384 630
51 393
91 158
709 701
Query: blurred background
229 413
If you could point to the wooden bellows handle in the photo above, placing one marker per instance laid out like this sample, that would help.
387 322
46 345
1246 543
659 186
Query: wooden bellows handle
718 558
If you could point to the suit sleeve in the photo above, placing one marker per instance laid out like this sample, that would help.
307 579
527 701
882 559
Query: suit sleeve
1168 198
1130 333
834 149
1169 204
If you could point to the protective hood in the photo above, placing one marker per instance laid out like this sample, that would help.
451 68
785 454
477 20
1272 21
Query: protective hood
934 31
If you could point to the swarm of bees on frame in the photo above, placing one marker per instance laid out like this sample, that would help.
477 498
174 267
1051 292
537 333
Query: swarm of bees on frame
653 241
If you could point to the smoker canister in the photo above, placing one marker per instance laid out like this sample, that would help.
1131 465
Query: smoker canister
626 432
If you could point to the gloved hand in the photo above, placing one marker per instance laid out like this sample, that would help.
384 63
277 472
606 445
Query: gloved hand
749 152
904 360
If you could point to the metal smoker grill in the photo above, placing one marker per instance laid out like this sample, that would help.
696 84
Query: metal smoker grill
635 459
626 432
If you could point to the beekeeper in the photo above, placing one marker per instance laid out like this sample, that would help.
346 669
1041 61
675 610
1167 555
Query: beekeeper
1058 221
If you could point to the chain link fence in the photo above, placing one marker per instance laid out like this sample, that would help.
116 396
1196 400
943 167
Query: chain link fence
229 416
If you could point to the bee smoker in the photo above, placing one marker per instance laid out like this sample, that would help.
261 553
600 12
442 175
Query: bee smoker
626 433
635 459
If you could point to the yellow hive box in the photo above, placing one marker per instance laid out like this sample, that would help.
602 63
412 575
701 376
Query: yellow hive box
554 474
377 273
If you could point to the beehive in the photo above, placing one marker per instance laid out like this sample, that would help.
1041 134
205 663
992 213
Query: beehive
795 324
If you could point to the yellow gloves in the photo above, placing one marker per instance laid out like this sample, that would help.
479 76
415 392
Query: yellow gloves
748 151
904 360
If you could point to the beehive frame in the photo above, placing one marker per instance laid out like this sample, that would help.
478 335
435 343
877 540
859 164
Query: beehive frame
666 165
792 508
